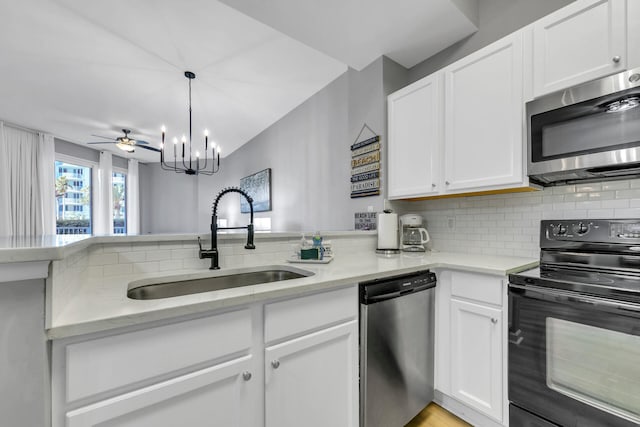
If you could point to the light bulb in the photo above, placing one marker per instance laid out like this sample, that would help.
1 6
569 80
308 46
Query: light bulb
206 132
164 129
184 139
197 154
175 140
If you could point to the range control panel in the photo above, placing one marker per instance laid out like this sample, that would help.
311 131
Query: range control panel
590 230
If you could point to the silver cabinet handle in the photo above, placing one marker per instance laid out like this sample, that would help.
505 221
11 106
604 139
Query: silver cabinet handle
246 375
494 320
616 59
275 364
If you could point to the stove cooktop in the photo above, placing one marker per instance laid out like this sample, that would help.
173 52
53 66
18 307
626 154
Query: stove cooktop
608 284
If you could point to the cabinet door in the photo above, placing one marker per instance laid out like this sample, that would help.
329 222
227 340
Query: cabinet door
313 380
581 42
484 118
414 139
215 396
633 34
476 356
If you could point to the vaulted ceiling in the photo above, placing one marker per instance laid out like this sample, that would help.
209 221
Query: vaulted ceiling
77 68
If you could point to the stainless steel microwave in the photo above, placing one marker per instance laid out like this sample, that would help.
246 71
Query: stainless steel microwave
587 132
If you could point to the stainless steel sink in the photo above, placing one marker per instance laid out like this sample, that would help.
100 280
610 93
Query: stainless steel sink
176 288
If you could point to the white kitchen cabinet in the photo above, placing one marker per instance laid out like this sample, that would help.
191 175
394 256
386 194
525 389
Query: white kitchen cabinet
471 352
211 370
476 356
312 380
483 134
415 123
633 34
217 396
583 41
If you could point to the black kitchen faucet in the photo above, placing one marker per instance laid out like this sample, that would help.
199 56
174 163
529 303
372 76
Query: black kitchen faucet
213 252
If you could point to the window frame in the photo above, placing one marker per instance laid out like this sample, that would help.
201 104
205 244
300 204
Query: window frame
124 172
78 161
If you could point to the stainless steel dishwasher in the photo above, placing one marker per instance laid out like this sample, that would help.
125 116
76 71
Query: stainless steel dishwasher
396 348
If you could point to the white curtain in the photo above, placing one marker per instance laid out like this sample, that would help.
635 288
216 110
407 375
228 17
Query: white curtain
103 196
46 177
133 198
5 187
26 183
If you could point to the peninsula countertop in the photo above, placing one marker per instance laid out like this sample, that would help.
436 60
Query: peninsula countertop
102 303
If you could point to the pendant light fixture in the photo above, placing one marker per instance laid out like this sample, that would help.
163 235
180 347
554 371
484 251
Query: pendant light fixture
183 161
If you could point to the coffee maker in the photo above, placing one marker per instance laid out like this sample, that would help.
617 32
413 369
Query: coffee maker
413 236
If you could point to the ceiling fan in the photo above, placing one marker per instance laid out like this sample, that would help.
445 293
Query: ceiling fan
126 143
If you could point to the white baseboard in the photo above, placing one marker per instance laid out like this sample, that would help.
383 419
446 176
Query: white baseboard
461 410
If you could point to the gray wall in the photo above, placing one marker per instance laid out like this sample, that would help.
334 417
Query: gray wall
308 152
496 19
24 375
86 153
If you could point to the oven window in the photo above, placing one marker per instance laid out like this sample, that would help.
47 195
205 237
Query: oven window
596 366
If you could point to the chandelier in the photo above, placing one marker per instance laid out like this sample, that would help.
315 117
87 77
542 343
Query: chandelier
187 164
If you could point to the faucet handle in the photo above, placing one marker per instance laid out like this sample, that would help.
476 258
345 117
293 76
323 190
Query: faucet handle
199 243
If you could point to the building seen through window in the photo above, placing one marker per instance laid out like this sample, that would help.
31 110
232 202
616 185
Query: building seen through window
73 198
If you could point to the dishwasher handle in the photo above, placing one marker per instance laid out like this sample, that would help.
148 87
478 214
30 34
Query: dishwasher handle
397 294
394 287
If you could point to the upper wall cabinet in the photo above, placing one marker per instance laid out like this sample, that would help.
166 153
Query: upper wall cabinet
414 139
484 118
580 42
633 34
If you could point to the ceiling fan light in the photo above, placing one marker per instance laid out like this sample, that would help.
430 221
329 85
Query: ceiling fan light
126 147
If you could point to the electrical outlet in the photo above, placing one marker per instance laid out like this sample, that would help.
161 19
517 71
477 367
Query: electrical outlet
451 223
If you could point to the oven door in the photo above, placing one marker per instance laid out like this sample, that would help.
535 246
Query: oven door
574 360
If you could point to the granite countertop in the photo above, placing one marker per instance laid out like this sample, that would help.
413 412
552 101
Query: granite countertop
102 304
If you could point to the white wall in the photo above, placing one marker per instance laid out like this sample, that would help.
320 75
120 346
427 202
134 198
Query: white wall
509 224
24 375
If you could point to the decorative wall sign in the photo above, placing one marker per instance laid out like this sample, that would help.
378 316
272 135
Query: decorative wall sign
365 166
365 221
258 186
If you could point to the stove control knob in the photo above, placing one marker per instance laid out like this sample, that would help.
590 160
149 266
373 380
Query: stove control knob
582 228
562 230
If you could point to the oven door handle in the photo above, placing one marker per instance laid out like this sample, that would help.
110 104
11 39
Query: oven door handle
586 299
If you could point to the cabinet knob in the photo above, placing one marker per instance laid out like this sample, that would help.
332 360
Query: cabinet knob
447 182
616 59
433 185
494 320
246 375
275 364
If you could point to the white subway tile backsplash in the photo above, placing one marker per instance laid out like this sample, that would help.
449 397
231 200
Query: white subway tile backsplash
131 257
509 223
159 255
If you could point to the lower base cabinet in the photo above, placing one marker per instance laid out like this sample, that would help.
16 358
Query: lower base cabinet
215 396
280 364
309 380
471 353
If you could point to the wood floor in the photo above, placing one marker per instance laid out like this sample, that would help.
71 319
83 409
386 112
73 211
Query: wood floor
435 416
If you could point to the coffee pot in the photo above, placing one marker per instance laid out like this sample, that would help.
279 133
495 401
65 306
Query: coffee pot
414 237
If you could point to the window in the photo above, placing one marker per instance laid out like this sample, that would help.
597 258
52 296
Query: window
73 198
119 182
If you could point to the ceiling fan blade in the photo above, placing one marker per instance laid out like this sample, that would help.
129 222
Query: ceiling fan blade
105 137
140 142
149 148
101 142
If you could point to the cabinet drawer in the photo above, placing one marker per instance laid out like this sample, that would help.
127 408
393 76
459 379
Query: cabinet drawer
108 363
299 315
478 287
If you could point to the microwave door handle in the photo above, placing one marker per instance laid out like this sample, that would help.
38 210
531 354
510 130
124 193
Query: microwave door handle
561 296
